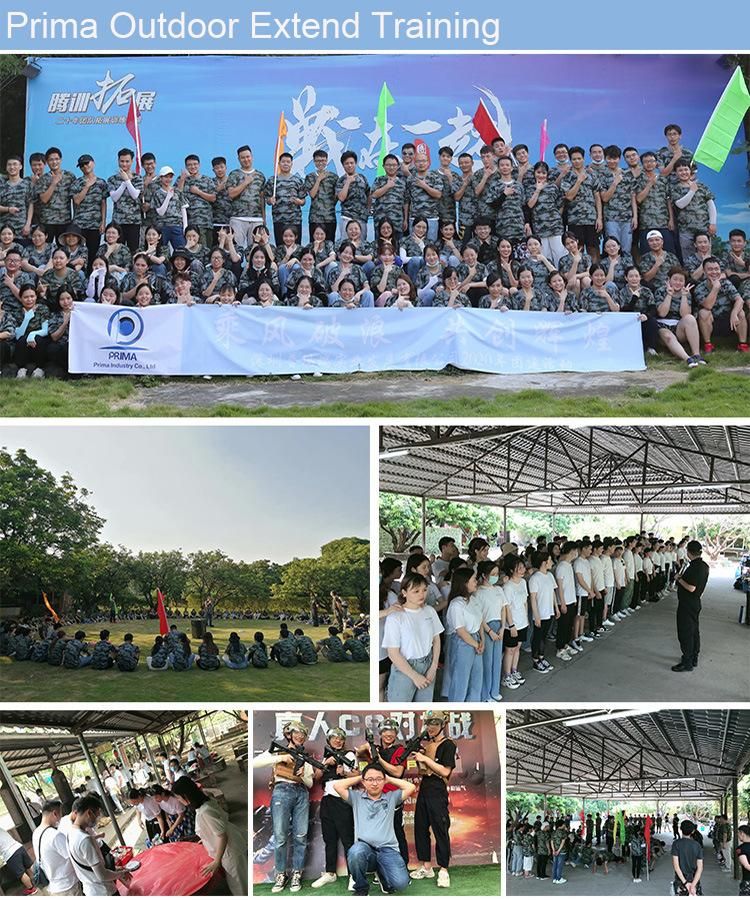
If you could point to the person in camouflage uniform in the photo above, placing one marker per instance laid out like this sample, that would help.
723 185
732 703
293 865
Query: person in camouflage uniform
671 311
655 210
60 277
257 654
356 649
181 653
12 281
40 650
208 654
528 847
15 196
616 261
485 183
31 328
545 201
451 183
158 659
619 206
169 206
424 192
286 196
559 842
668 157
523 171
656 263
131 281
235 655
465 195
320 186
719 304
307 655
510 198
285 652
76 655
529 296
125 189
128 654
696 210
57 648
331 647
52 195
584 204
450 293
736 263
575 265
221 208
472 275
150 184
104 651
90 194
599 297
389 198
384 276
352 192
22 644
543 852
200 193
247 188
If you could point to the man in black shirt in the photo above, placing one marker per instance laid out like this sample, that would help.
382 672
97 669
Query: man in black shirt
687 861
690 587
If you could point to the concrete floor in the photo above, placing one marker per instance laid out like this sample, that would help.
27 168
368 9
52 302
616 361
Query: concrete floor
716 881
632 662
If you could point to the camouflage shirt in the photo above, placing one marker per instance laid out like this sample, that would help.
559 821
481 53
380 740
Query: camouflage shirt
539 270
566 264
442 298
70 281
120 256
357 649
200 211
643 303
40 651
480 272
324 252
56 319
377 274
258 656
288 188
147 200
540 301
488 201
173 213
22 645
624 262
494 268
619 206
355 205
180 659
692 218
468 204
237 653
15 194
335 649
37 321
420 202
447 203
356 274
674 307
157 284
286 652
225 277
727 297
10 303
56 652
72 655
590 301
662 273
126 210
249 204
39 258
58 210
127 657
318 280
88 214
306 650
207 659
582 208
221 208
653 210
665 155
101 657
323 204
159 658
7 324
391 204
510 215
546 215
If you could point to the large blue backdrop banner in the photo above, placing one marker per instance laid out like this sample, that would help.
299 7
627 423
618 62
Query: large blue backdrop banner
228 340
212 105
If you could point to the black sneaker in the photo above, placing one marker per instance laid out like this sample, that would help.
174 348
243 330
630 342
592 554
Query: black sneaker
680 668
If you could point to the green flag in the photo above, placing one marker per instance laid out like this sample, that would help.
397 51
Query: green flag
384 102
113 605
718 136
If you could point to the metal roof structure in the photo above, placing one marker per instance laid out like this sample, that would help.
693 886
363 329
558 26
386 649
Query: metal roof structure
563 469
27 737
690 754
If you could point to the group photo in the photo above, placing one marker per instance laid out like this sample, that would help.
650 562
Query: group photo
135 803
528 563
132 243
656 802
136 580
363 801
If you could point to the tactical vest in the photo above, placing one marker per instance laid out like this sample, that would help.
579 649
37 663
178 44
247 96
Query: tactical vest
429 749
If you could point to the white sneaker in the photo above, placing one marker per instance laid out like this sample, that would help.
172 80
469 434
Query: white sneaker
578 645
571 649
279 883
37 373
518 678
548 667
564 655
325 878
608 622
510 683
350 887
21 373
562 880
295 883
443 879
585 637
421 872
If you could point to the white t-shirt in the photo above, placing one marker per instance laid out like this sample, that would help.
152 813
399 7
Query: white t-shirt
439 568
83 849
682 553
149 808
648 566
597 572
172 805
491 599
461 614
656 559
618 567
517 593
609 574
433 596
629 563
51 851
566 578
582 567
8 846
543 585
638 562
412 631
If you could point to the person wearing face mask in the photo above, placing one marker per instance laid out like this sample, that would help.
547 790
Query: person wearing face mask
86 854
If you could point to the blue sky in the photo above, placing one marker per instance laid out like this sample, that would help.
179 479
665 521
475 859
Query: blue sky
254 492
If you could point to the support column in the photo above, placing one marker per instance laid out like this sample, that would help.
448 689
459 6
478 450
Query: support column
202 733
61 783
735 828
102 792
15 803
505 524
640 527
157 769
424 524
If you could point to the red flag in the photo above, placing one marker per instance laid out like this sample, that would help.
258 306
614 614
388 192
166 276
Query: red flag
543 140
133 125
420 146
49 607
162 613
484 124
647 836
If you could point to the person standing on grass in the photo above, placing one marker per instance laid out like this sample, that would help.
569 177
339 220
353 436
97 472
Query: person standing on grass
690 587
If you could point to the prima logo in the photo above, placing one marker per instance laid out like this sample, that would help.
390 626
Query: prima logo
112 93
124 328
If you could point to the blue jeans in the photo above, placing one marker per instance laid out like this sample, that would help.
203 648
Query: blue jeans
173 234
236 665
492 660
466 671
622 231
366 299
557 866
426 296
84 661
290 805
413 266
401 689
387 861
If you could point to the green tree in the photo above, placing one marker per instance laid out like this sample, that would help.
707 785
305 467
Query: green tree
720 535
43 521
302 581
346 562
165 570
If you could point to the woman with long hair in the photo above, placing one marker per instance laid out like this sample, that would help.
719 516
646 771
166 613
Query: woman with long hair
465 638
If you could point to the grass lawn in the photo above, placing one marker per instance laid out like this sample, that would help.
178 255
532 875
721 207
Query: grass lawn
466 881
706 392
324 682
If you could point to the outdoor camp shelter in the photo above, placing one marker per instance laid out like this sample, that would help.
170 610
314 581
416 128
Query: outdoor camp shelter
31 741
700 469
610 754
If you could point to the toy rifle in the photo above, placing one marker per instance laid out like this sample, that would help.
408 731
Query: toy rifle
415 743
299 755
370 738
340 756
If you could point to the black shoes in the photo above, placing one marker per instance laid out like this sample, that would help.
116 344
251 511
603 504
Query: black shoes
681 668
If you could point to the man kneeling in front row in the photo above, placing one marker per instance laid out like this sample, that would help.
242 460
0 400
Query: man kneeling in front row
375 844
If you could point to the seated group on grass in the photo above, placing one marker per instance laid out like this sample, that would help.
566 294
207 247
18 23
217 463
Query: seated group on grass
500 234
174 650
